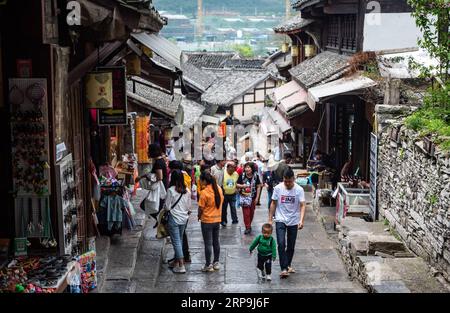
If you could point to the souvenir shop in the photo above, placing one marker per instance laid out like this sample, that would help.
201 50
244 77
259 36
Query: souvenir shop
56 184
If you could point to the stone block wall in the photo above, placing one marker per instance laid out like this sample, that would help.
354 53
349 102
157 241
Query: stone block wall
414 190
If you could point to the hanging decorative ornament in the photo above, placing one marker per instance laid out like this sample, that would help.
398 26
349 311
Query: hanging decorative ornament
294 51
310 50
16 95
35 93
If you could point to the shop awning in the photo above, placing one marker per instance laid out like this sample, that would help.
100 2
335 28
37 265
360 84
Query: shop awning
279 121
290 96
290 103
286 90
162 47
347 85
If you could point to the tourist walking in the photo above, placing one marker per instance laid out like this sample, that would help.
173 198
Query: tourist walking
178 203
159 168
217 171
288 205
249 184
267 251
173 166
269 179
230 191
210 216
260 170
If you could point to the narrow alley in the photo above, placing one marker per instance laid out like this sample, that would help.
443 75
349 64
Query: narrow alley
316 260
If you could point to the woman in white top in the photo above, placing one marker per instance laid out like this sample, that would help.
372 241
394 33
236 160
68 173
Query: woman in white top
178 201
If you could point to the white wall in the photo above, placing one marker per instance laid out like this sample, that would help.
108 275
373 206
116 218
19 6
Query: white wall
387 31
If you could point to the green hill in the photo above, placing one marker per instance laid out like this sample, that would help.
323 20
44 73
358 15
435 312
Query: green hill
244 7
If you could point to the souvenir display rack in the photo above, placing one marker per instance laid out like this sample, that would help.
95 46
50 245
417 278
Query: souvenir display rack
67 206
88 271
29 129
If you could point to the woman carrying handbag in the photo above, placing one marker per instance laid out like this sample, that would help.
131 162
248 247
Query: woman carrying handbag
178 206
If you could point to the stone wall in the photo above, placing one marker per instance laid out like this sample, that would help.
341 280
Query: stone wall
414 189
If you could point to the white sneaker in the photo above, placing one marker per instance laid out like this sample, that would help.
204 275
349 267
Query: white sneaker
216 266
291 269
268 277
208 268
261 274
179 269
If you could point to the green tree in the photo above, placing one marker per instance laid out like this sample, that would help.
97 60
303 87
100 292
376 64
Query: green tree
433 118
433 19
245 50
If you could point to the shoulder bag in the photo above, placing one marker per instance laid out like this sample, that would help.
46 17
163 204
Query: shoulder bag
165 216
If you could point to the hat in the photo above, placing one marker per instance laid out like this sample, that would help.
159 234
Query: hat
272 165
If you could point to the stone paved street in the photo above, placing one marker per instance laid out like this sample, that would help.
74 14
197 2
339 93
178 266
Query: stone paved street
319 267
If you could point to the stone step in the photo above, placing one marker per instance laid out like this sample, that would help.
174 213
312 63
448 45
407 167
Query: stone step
386 244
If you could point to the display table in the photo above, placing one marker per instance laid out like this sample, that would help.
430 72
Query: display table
61 285
351 202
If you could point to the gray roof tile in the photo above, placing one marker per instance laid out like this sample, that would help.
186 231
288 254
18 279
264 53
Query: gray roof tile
153 98
320 68
232 85
210 59
244 64
197 77
295 23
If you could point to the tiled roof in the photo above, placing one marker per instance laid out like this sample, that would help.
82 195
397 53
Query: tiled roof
192 111
244 64
233 85
210 59
154 99
162 62
320 68
295 23
301 4
197 77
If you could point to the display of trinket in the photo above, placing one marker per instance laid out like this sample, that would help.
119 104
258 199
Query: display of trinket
29 136
67 206
88 271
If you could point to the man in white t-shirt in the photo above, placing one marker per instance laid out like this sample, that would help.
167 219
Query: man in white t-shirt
288 205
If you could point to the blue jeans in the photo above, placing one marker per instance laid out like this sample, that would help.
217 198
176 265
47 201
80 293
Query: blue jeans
176 236
286 250
229 199
238 200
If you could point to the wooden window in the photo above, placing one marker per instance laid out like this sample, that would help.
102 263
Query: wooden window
341 32
349 32
333 32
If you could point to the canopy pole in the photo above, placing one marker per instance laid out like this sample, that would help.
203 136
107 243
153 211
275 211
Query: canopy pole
315 138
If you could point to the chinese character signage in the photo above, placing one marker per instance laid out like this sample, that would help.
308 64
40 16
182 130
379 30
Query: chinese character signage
117 115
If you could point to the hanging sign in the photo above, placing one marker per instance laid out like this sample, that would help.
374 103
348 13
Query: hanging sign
117 115
222 132
142 138
24 68
99 90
